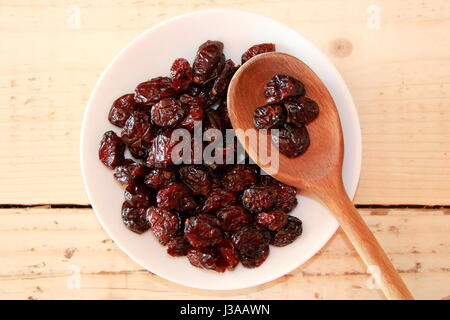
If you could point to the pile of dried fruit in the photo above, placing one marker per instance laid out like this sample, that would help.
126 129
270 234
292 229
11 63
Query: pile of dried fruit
215 214
288 110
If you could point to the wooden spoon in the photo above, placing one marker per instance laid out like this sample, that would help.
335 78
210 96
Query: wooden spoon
319 169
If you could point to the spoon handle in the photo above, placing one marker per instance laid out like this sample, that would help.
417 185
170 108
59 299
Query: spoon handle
367 246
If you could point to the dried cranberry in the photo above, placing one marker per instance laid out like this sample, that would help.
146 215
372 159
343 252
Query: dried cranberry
138 195
129 171
203 231
204 258
257 49
301 110
165 224
217 199
238 177
259 198
208 56
272 220
228 255
233 217
221 83
150 92
197 178
281 87
167 112
181 74
222 108
158 178
111 150
194 116
291 141
137 132
173 196
192 100
121 109
177 247
286 196
134 217
269 116
286 235
252 245
160 152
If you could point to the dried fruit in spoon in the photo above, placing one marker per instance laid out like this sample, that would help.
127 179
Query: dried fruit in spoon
270 116
292 141
301 110
281 87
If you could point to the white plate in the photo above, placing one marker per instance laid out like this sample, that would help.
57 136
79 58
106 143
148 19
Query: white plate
151 55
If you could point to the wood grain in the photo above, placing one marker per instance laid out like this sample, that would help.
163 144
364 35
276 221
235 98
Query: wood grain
399 76
41 248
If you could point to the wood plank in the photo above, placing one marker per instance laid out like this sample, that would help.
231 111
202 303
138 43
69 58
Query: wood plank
398 74
41 247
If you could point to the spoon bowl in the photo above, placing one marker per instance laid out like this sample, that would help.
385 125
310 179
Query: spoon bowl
319 169
326 142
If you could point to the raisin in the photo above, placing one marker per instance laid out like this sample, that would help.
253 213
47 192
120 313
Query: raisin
221 83
269 116
204 258
138 195
272 220
208 56
238 177
111 151
150 92
167 112
281 87
137 132
129 171
228 255
197 178
134 217
165 224
233 217
192 100
301 111
173 196
160 152
121 109
177 247
158 178
181 74
217 199
252 245
286 235
259 198
203 231
291 141
257 49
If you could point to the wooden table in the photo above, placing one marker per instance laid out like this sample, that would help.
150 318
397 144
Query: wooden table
395 58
